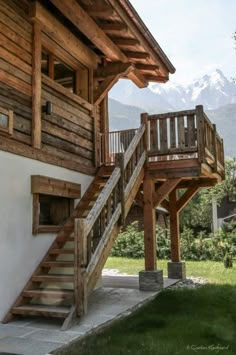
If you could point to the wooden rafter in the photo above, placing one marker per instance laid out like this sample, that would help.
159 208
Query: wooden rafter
165 189
63 35
146 67
138 78
111 69
99 10
113 26
126 41
186 197
157 78
137 55
79 17
137 33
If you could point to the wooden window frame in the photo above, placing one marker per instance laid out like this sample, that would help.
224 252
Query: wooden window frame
44 185
81 74
10 114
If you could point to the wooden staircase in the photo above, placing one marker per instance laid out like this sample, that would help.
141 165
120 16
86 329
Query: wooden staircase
62 282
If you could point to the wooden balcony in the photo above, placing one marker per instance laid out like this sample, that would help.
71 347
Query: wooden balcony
180 144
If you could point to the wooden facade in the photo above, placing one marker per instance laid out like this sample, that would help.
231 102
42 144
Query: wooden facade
59 59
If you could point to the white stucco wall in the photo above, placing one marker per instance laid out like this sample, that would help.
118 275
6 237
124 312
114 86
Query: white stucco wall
20 251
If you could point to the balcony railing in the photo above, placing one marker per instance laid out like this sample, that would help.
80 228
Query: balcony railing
171 136
112 143
185 135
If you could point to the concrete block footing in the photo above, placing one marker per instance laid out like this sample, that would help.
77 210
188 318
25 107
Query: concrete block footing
176 270
151 280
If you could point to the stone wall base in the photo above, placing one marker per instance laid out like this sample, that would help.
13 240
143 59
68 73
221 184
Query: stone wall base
151 280
177 270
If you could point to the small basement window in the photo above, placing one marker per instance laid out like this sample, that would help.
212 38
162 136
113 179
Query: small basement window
53 202
6 121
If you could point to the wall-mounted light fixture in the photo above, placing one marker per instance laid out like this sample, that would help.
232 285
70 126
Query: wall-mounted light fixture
47 108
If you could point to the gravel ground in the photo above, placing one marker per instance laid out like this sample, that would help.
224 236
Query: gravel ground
191 282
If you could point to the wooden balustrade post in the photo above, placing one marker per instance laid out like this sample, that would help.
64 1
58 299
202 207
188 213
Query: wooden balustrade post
80 263
215 151
121 164
200 133
149 225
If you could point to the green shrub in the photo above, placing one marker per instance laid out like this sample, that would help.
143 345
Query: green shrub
130 244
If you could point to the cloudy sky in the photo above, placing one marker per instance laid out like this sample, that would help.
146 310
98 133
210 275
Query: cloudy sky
195 34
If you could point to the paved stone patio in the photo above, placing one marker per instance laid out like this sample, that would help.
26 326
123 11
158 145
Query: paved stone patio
118 297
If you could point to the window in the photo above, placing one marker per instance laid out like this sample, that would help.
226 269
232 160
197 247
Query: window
6 121
74 79
53 202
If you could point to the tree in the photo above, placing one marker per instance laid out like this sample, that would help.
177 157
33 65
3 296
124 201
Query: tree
197 215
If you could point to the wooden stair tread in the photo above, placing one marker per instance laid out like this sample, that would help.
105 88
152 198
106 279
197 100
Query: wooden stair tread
49 293
56 263
42 310
53 278
61 251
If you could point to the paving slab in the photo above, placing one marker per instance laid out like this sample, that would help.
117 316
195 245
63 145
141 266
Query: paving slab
40 336
8 330
24 346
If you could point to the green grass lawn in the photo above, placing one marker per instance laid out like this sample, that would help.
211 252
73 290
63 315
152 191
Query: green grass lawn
214 272
181 321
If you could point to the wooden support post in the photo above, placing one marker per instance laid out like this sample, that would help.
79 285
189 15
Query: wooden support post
174 227
80 262
149 225
36 86
104 119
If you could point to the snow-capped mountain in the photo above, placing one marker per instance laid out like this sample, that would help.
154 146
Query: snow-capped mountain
213 90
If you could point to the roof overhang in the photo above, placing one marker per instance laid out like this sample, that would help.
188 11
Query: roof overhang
117 34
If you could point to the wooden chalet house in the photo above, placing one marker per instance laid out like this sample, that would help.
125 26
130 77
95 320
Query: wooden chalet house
67 184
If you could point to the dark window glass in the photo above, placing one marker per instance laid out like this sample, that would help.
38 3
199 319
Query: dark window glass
54 211
3 121
64 75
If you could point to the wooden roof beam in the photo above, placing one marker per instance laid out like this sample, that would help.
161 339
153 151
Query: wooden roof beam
141 36
137 55
147 67
126 42
113 26
157 78
60 33
138 79
99 10
111 69
79 17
